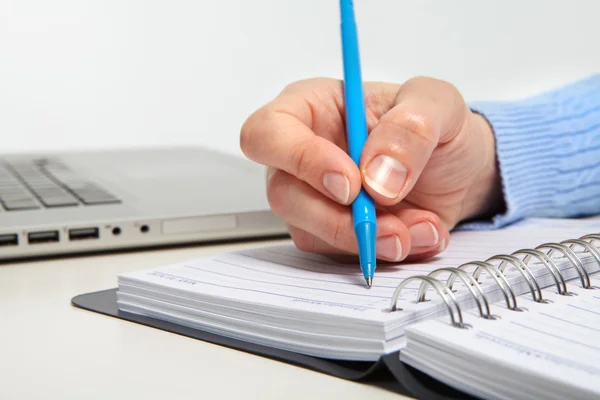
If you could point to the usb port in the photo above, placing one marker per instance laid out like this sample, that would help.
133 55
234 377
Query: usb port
12 239
42 237
84 233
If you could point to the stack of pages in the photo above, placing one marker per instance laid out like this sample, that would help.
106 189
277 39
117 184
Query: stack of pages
550 351
287 299
539 339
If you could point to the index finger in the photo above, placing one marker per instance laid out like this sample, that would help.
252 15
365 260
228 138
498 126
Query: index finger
302 132
279 140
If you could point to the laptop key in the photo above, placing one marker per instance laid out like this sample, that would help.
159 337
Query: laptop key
8 183
13 205
100 200
16 196
53 184
96 197
16 199
42 186
59 201
53 192
78 186
13 191
91 194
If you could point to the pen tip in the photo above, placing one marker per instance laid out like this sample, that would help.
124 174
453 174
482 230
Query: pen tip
369 282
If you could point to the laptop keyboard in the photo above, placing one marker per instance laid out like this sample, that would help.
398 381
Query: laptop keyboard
47 183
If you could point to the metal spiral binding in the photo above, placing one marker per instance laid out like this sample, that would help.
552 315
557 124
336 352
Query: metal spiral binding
559 280
570 254
469 281
472 283
498 277
445 293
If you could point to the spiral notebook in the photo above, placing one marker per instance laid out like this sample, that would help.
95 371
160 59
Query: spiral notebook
516 305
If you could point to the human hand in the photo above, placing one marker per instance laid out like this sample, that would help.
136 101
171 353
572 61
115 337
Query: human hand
429 163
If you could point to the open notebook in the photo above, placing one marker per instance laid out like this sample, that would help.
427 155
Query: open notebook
505 317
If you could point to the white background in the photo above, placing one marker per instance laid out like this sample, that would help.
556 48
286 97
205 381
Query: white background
79 74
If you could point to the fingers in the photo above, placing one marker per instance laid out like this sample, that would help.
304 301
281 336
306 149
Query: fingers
428 234
303 133
279 135
327 225
428 113
389 247
318 224
429 237
281 141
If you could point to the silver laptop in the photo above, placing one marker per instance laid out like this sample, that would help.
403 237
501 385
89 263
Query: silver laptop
86 202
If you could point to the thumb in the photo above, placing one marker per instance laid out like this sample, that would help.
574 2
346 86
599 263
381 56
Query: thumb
427 113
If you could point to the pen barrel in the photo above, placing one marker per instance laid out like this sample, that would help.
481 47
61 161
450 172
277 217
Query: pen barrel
363 209
356 121
367 252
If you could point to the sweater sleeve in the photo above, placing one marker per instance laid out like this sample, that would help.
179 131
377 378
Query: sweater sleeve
548 151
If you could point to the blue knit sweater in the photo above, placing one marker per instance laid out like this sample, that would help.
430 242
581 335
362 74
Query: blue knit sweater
548 149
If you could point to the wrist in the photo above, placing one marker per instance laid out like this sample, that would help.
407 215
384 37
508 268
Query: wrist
485 197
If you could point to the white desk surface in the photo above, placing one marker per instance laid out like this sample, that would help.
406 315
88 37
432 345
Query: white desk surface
52 350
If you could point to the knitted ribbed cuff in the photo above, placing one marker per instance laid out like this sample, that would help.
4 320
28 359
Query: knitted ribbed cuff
548 150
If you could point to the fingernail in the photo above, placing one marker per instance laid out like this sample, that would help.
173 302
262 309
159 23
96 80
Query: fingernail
386 176
389 247
424 234
337 185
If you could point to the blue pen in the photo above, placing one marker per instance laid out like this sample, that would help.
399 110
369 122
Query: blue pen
363 209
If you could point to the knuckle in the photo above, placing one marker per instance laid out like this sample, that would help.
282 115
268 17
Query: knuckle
293 86
308 83
420 80
415 123
277 186
427 81
300 160
335 231
251 134
303 241
447 87
442 88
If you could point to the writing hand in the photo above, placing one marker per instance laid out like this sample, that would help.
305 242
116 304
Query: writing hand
429 163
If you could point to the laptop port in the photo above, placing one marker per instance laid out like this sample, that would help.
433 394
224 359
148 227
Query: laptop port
42 237
11 239
84 233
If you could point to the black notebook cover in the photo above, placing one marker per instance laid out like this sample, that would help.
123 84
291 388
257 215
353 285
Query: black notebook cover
388 372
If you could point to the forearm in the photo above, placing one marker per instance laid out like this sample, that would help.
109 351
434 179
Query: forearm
548 151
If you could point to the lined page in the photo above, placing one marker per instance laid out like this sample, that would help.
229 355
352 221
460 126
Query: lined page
549 344
282 276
